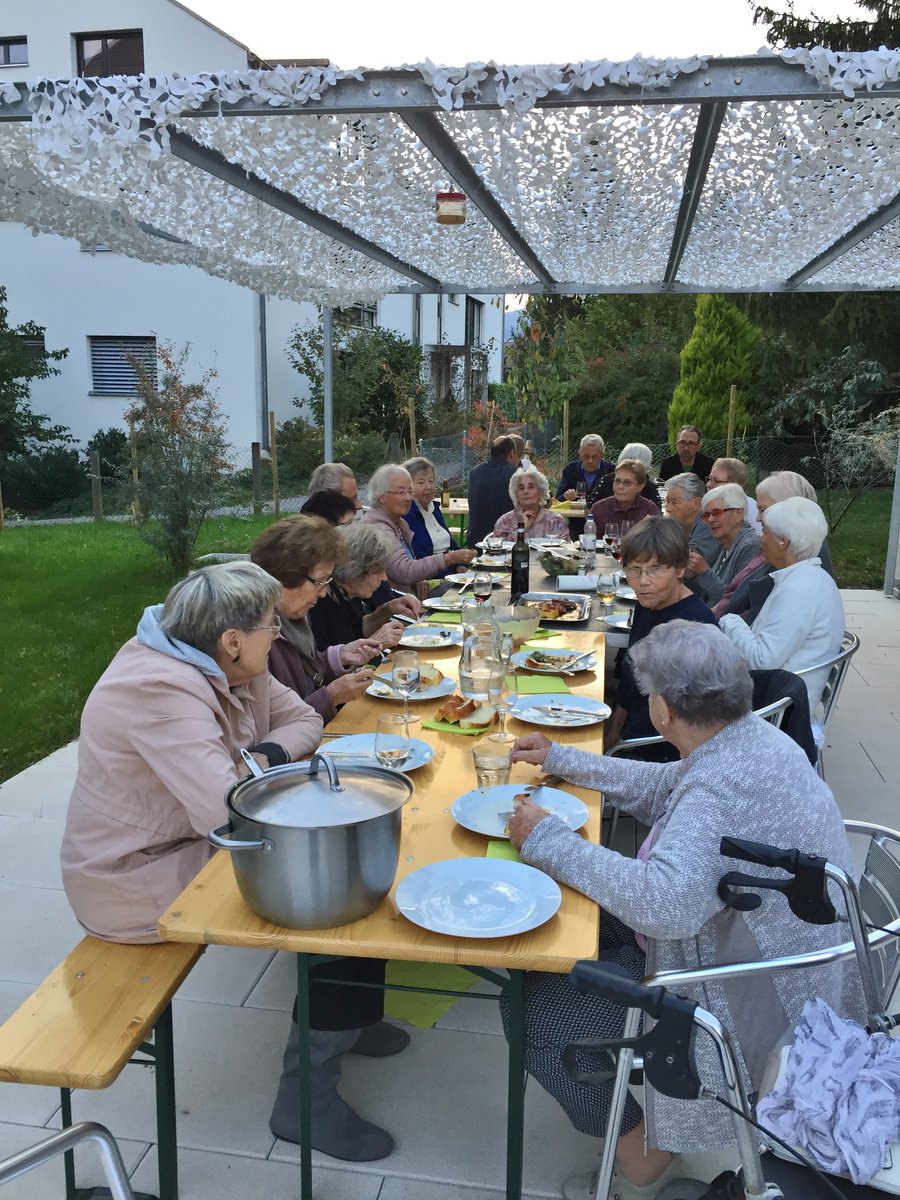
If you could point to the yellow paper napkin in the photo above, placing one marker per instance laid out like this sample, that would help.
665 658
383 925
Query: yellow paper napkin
502 849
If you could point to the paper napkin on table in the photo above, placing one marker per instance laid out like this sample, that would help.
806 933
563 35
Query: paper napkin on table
535 685
447 727
540 634
577 583
443 618
498 849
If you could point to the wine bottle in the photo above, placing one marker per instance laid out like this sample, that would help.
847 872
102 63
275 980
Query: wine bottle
445 495
520 560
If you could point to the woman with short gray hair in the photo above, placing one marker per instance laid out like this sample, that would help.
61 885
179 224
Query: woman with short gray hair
335 477
684 493
529 492
430 534
738 776
632 452
346 611
725 510
161 739
391 493
801 622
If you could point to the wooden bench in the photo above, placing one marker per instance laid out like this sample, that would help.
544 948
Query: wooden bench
85 1022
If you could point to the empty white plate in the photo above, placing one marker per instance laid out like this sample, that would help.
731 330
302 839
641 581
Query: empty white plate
478 897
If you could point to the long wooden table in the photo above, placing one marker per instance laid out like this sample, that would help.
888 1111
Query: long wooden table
212 911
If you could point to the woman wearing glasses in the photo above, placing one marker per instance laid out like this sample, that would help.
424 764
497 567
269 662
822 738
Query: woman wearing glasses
654 558
301 552
725 510
161 740
391 494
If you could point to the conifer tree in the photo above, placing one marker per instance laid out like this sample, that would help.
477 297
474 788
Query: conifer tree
717 355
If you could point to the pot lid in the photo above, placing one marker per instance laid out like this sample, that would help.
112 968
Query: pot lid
302 796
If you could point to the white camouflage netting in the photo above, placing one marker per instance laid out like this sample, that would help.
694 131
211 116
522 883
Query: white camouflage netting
594 190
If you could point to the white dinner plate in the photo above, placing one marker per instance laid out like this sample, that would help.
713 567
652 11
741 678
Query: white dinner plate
591 712
478 897
493 562
442 604
480 809
618 621
626 593
468 576
346 749
506 545
562 658
541 543
432 637
380 688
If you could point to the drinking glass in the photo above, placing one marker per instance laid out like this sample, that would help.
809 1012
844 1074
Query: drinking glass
611 534
482 586
492 764
392 747
606 592
502 696
580 492
405 676
477 662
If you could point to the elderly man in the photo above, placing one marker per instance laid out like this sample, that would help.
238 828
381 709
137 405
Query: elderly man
732 470
489 488
588 468
335 477
687 456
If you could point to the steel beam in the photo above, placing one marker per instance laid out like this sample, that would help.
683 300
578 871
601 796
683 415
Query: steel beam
709 123
432 134
216 164
648 288
871 224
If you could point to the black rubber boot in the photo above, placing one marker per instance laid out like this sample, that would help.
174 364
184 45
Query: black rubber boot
380 1040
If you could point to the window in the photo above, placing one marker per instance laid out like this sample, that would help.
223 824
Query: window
120 52
111 372
14 52
360 316
453 297
36 346
474 320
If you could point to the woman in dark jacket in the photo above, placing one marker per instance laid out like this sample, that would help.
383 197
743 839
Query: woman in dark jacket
425 519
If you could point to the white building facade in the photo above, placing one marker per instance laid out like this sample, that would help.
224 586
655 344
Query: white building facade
95 303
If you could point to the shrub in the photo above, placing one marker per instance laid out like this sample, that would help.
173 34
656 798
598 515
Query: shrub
46 475
114 449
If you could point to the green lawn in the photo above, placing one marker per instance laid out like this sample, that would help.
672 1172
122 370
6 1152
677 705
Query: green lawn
72 594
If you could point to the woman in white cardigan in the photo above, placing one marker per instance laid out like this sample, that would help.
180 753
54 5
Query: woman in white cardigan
802 621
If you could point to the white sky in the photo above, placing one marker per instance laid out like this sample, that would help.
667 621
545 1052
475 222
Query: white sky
452 32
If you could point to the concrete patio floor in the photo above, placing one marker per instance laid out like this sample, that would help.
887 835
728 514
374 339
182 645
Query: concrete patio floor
443 1099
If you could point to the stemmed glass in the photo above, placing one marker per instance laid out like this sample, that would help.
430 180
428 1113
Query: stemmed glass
606 592
482 586
502 696
405 676
580 492
611 536
392 747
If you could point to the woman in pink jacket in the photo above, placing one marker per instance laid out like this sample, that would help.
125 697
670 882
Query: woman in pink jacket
161 740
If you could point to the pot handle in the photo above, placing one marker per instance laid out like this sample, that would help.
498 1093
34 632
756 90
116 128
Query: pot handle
216 837
316 761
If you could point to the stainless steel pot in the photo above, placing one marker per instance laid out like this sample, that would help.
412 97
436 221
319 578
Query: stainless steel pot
310 853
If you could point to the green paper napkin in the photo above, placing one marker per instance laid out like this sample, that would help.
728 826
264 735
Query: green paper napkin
446 727
540 634
502 849
414 1007
534 685
443 618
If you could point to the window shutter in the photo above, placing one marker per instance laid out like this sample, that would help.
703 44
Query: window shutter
111 372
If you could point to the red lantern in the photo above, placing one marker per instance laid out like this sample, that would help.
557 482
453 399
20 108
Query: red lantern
450 208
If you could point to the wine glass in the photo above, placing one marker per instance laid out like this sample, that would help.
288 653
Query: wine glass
405 676
482 586
606 592
392 747
611 534
502 696
581 492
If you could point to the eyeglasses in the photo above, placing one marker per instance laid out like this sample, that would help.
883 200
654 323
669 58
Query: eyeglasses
687 445
320 585
276 628
400 492
712 513
654 571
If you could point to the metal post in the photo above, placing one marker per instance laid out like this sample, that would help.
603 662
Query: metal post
263 363
515 1102
273 452
96 486
890 566
166 1131
65 1101
256 461
306 1192
328 381
617 1103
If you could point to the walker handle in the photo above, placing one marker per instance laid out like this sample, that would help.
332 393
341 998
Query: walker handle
613 982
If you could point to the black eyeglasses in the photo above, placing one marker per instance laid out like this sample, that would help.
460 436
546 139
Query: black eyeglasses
319 584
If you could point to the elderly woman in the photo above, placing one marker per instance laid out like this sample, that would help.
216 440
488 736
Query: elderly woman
802 621
391 494
333 507
429 529
684 495
335 477
346 611
626 503
725 509
161 740
738 776
301 552
632 452
654 558
749 589
530 494
732 470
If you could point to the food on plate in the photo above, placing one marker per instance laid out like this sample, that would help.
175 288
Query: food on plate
429 675
553 610
538 660
517 800
466 713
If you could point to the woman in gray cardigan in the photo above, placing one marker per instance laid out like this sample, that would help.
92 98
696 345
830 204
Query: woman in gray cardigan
738 776
724 508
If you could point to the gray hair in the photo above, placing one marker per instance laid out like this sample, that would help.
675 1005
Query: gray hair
799 520
593 439
637 450
369 548
529 473
689 483
381 480
232 595
416 466
696 669
327 477
732 495
734 468
782 484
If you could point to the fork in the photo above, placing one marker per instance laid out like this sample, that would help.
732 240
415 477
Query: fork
558 710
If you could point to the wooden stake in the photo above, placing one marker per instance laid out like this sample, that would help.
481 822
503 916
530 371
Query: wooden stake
135 474
732 409
96 487
565 434
273 451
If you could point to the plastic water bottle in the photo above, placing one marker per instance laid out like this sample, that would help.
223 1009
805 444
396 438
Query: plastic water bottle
589 543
